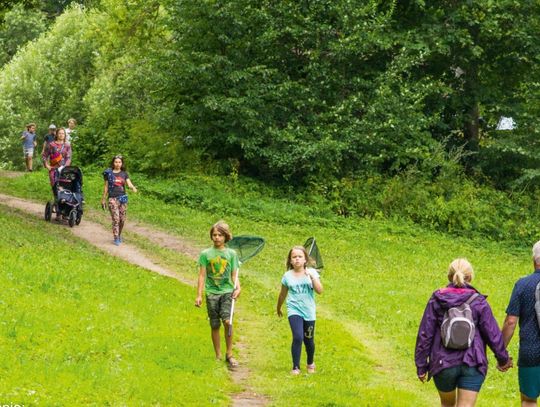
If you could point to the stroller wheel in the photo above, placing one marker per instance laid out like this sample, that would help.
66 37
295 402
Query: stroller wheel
72 218
78 218
48 212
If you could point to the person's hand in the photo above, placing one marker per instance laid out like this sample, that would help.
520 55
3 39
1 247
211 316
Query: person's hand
423 377
280 314
48 167
503 368
103 204
134 189
236 293
198 301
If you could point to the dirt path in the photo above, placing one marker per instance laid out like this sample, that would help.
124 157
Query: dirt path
101 237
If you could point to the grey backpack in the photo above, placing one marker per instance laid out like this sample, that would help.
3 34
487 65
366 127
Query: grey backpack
537 303
457 329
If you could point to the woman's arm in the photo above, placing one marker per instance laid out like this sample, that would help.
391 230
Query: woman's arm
130 185
67 156
424 339
282 295
105 192
489 329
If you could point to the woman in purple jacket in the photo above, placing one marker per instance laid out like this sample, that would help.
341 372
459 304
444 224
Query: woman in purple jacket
451 369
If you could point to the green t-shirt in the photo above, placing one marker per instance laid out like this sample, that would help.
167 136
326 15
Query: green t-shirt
219 264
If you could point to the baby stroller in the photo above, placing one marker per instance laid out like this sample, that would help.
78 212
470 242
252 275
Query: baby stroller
68 202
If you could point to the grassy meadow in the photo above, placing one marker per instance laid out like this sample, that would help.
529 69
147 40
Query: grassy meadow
111 332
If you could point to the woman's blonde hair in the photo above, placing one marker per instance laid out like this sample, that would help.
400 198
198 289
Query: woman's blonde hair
460 272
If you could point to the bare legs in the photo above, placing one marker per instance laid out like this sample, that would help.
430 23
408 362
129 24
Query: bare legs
216 340
465 398
527 402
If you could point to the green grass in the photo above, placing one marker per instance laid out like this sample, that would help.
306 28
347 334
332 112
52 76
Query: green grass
81 328
378 277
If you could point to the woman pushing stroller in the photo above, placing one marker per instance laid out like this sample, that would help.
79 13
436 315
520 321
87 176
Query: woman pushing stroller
55 155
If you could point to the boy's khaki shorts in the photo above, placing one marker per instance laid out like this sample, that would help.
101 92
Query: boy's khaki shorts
219 308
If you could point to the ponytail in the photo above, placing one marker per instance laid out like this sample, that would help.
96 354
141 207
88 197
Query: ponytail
460 272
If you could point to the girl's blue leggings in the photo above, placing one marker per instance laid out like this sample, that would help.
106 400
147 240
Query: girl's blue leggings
302 331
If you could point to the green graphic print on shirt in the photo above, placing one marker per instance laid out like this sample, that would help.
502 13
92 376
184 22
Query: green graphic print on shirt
219 264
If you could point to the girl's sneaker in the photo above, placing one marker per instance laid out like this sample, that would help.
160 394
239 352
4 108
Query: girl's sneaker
295 372
117 242
311 368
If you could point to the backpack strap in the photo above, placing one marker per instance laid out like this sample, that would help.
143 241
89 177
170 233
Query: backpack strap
537 292
472 298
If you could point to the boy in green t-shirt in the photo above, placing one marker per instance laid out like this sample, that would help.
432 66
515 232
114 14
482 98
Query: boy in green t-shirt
218 269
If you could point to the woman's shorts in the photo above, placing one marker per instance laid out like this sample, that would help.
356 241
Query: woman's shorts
219 308
463 377
529 381
28 152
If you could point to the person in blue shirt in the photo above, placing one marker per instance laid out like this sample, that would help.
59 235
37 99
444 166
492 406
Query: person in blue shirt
522 309
298 286
28 138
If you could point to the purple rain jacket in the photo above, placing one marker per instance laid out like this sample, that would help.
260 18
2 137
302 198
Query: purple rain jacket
430 354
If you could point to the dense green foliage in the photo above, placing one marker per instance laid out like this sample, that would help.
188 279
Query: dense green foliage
368 108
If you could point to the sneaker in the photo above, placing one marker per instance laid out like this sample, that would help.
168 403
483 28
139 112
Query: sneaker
117 242
295 372
311 368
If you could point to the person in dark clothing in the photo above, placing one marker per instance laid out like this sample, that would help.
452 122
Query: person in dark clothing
114 194
458 373
522 308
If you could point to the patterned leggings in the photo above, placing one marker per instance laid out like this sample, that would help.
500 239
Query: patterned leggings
118 215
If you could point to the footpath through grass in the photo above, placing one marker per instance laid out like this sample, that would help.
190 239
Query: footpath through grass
81 328
377 277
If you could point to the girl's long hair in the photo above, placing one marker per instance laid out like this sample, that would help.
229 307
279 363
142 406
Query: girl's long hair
123 167
309 260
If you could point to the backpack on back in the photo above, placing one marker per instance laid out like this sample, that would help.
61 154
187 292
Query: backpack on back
537 303
457 329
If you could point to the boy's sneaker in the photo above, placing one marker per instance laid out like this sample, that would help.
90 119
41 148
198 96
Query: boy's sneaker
117 241
295 372
311 368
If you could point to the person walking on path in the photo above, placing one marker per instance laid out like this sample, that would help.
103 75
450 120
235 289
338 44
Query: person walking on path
218 268
70 130
29 142
298 285
49 137
114 194
524 307
463 369
56 155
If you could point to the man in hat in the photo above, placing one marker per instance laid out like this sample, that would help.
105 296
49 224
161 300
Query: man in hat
48 137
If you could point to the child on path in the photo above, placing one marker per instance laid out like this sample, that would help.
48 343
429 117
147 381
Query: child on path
297 286
28 138
458 373
218 269
114 193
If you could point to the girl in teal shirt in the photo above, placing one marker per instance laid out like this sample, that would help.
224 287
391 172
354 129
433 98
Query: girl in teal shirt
298 286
